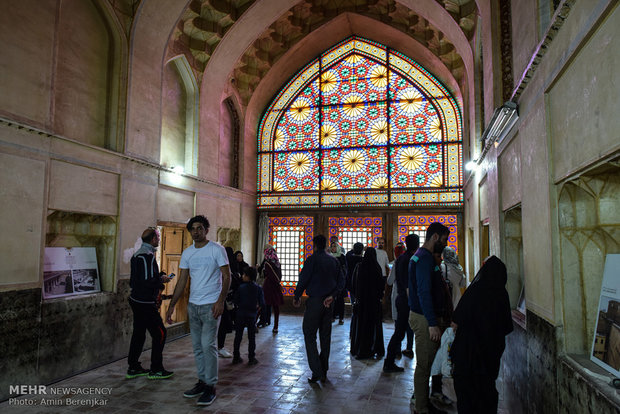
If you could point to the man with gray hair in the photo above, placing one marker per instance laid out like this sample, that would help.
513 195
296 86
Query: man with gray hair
146 283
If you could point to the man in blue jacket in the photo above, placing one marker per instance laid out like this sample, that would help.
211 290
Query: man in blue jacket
423 318
146 282
322 279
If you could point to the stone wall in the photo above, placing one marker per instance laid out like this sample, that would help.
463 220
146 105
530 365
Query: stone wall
580 392
539 379
46 341
20 315
515 377
541 365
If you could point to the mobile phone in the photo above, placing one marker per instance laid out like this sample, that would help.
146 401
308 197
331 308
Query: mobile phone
171 275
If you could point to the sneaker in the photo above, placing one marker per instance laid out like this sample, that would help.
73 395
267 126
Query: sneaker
223 353
138 372
236 360
163 374
198 389
407 352
440 399
207 397
392 368
253 361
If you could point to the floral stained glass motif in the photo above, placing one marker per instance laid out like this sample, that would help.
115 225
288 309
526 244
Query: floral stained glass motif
353 168
296 170
357 122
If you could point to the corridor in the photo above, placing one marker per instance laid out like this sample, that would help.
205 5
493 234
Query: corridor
276 385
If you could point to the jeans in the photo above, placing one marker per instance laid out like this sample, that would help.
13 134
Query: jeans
203 328
425 351
400 330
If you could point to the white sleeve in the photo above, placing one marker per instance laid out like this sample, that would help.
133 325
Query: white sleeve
184 263
392 276
221 256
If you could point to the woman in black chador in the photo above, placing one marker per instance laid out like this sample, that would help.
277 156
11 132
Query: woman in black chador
366 328
483 320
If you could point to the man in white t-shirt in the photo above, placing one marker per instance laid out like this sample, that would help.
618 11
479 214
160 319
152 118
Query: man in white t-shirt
382 257
207 264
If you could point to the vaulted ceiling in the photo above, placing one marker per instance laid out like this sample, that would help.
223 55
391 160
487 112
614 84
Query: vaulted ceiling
204 24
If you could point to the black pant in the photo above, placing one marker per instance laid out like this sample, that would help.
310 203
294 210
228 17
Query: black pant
339 305
317 318
475 394
146 317
265 315
245 321
400 329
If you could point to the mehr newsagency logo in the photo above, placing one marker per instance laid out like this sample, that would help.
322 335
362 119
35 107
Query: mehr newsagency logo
43 395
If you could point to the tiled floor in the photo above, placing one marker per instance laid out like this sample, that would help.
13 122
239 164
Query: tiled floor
276 385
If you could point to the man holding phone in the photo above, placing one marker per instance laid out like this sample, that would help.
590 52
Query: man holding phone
146 283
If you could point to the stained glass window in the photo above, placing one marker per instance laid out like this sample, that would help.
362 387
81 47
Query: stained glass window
351 230
418 225
292 239
361 125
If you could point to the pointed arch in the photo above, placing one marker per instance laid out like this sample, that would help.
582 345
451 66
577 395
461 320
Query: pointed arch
365 125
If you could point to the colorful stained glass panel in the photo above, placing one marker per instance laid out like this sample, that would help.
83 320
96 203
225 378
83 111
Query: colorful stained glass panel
418 225
294 171
354 168
361 99
346 126
297 129
353 78
292 239
416 166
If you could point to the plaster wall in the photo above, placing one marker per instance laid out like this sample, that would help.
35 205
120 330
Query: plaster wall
173 205
525 36
583 116
173 119
27 40
22 190
536 213
225 161
81 189
510 174
81 73
491 65
483 191
138 207
151 30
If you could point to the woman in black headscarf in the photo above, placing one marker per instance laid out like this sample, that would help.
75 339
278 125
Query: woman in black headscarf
483 320
226 321
240 264
366 328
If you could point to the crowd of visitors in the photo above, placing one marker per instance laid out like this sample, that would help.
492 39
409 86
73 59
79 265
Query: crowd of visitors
430 305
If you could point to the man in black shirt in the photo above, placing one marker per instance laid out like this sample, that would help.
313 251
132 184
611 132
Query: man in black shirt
322 279
146 282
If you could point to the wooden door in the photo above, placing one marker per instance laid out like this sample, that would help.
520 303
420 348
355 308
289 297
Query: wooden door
174 239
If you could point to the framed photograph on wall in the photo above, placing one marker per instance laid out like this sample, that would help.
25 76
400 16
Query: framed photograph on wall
70 271
606 343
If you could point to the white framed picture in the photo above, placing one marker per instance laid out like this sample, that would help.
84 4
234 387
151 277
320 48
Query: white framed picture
70 271
606 343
